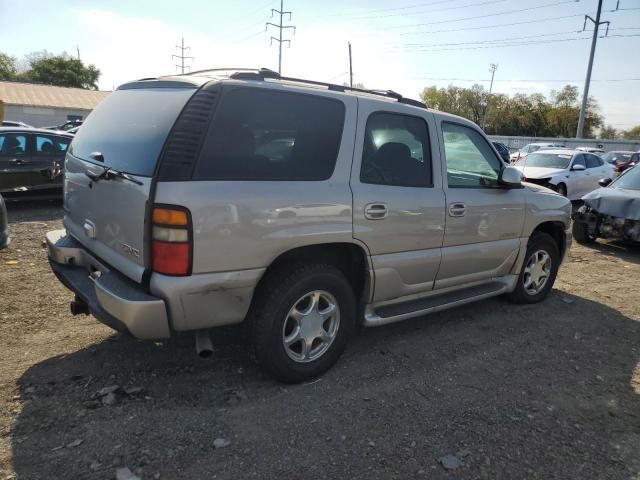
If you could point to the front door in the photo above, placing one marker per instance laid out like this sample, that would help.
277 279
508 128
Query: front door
484 219
47 160
398 201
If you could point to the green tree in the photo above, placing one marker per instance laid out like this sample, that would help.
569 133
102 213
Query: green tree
608 132
632 133
61 70
8 68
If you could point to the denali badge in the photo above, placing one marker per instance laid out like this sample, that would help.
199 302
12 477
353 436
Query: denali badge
129 250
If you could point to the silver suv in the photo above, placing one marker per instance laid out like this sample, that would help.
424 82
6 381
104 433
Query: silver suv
300 208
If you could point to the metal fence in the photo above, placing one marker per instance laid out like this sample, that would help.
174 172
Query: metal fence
515 143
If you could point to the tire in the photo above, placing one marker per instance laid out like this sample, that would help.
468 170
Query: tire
523 293
562 189
580 232
272 320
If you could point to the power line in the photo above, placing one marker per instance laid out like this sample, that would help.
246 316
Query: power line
480 16
509 80
280 27
481 42
482 27
421 12
182 56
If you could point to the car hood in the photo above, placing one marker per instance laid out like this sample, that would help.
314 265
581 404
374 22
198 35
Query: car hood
616 202
539 172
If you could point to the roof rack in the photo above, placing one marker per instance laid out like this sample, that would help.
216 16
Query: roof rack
266 73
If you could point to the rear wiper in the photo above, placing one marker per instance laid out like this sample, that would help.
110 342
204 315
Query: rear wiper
109 173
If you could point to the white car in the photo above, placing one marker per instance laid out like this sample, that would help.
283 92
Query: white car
596 150
532 147
571 173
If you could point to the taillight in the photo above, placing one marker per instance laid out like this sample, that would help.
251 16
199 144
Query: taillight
171 240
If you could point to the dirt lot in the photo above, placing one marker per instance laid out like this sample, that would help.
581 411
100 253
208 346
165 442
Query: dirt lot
545 391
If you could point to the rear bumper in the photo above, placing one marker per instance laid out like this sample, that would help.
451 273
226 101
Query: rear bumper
112 298
178 304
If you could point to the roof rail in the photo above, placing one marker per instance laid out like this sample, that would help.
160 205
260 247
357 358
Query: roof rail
265 73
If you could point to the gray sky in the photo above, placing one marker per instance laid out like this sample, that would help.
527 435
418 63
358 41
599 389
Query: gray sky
404 46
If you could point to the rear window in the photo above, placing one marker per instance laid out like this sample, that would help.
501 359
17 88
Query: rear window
129 128
260 134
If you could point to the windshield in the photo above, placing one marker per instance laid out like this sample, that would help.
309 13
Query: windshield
548 160
613 157
129 128
630 180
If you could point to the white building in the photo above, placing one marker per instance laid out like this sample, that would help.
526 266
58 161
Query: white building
46 105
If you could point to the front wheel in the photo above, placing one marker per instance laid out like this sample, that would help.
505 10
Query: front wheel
580 231
302 319
539 270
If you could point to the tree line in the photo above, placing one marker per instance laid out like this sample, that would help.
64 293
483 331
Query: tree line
525 115
43 67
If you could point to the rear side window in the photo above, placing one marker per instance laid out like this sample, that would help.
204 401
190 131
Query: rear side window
129 128
260 134
396 151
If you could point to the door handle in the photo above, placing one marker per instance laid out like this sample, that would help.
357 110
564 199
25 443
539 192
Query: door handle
457 209
375 211
17 161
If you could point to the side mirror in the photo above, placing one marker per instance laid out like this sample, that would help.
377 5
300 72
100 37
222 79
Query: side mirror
510 177
603 182
578 168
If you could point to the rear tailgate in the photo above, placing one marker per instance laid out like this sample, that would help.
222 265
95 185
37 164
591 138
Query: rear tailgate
126 132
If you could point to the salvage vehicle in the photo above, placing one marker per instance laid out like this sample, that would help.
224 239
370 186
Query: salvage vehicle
531 148
611 212
31 162
300 208
571 173
4 225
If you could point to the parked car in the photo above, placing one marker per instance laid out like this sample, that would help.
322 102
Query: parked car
571 173
4 225
10 123
596 150
66 125
31 162
177 226
622 166
616 157
532 147
503 150
611 212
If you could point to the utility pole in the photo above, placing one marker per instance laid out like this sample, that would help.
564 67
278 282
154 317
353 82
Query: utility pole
587 81
182 56
78 49
280 27
492 68
350 68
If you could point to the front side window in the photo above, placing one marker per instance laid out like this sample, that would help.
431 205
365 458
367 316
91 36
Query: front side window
592 161
51 145
13 144
579 160
470 160
260 134
396 151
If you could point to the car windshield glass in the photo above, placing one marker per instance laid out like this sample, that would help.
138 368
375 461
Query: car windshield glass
630 180
548 160
613 157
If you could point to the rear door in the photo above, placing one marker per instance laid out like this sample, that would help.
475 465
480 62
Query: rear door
398 201
578 179
47 159
126 132
14 161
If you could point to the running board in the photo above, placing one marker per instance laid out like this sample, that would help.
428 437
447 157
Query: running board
414 308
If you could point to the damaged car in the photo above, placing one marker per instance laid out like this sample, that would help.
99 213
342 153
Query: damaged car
31 162
611 212
571 173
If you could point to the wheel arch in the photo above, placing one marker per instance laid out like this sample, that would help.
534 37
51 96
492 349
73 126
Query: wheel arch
556 230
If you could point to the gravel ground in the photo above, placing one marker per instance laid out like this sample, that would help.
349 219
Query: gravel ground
491 390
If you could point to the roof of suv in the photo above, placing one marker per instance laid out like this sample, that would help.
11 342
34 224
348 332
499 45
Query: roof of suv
263 75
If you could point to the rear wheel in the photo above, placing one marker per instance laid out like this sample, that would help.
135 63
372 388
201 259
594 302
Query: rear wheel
539 271
301 320
581 233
